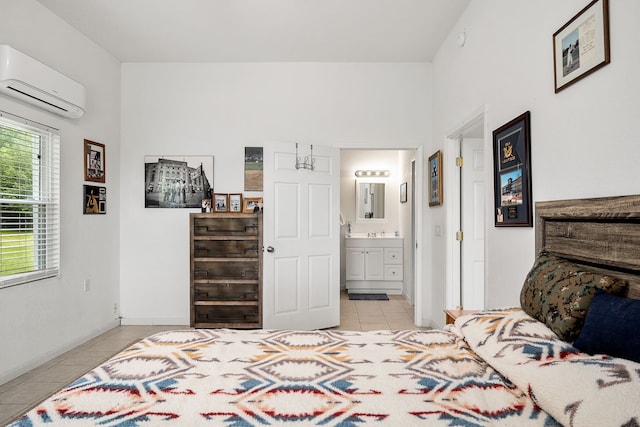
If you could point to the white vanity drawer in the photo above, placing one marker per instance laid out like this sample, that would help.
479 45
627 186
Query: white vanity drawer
393 255
393 272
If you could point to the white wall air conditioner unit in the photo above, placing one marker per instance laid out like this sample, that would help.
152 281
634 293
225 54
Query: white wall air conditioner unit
31 81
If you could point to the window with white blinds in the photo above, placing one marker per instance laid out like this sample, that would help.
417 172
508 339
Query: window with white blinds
29 201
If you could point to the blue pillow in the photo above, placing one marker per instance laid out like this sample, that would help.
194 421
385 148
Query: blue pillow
612 327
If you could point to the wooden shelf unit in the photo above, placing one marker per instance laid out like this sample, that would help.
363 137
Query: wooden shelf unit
226 270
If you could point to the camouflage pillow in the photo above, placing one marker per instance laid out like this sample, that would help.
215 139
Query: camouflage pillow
558 292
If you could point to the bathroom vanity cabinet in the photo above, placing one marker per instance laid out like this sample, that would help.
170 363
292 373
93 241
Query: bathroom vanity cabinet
374 265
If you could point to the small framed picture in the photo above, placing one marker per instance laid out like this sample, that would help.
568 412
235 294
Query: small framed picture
235 202
94 161
435 179
95 200
253 168
403 192
252 204
206 205
220 202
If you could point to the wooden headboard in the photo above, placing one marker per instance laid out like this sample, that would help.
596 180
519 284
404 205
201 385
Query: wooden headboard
602 233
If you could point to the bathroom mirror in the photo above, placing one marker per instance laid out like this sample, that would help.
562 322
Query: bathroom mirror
370 200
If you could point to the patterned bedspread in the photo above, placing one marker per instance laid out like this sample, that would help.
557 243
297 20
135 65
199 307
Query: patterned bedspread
575 388
241 378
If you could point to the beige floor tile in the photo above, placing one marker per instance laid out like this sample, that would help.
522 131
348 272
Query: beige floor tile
59 374
29 393
374 326
400 324
9 411
395 311
346 325
88 358
348 307
48 365
11 384
369 309
348 317
371 318
397 317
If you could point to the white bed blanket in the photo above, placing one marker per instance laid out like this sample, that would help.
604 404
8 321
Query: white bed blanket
575 388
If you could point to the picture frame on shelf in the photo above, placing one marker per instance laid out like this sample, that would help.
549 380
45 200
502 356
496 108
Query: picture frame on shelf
220 202
251 204
94 161
235 203
435 179
206 205
581 46
403 192
512 173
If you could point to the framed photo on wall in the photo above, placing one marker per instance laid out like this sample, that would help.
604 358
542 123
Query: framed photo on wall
94 161
95 200
435 179
581 46
177 181
512 173
253 168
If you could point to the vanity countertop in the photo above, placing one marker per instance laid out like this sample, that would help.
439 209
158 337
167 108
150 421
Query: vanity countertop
372 236
362 241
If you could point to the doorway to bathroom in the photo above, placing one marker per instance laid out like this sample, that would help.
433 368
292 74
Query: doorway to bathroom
401 191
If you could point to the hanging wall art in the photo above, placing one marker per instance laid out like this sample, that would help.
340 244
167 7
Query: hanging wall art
512 173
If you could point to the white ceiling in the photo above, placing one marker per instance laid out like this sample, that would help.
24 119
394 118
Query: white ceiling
264 30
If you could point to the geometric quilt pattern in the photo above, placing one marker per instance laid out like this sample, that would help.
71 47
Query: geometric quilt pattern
576 388
241 378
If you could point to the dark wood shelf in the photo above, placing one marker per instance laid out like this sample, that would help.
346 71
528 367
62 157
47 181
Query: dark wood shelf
226 270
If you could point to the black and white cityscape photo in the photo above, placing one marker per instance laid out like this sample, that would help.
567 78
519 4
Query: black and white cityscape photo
177 181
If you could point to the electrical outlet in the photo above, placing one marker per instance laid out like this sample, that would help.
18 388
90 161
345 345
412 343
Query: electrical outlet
87 285
115 308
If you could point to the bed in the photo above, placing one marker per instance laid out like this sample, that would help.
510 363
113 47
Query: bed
504 367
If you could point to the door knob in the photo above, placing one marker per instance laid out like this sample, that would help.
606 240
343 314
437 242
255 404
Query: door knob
270 249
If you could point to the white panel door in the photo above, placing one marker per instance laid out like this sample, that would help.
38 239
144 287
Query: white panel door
473 224
301 283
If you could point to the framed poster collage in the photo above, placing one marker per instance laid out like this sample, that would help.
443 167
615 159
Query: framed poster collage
512 173
94 196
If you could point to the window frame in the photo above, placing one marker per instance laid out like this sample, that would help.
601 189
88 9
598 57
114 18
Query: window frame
42 260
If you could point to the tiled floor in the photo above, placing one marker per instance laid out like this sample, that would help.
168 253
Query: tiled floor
24 392
396 313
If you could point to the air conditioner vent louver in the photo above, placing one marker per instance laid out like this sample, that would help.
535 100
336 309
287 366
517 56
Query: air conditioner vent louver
37 99
31 81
